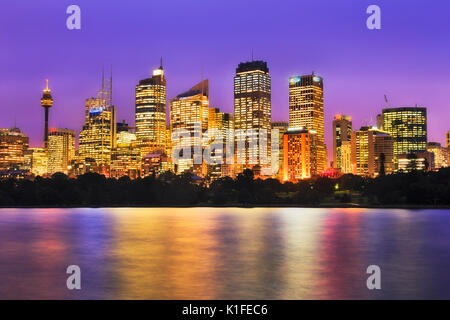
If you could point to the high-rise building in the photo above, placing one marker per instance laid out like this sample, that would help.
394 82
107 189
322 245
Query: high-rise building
282 127
408 128
440 154
342 131
61 150
299 154
447 139
252 113
46 103
13 144
220 137
346 157
151 112
125 157
189 114
372 152
36 161
98 136
306 111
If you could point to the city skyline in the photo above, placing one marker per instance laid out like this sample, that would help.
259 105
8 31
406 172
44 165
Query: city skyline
356 68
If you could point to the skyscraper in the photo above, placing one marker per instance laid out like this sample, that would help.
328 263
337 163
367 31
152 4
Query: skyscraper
125 157
252 112
447 139
440 154
61 150
13 144
282 127
342 131
372 152
220 137
98 136
189 112
299 154
46 103
306 110
36 161
408 128
150 112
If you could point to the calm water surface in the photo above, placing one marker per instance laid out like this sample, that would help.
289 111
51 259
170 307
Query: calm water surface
223 253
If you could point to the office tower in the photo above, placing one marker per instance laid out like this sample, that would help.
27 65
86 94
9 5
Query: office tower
299 154
282 127
122 126
342 131
252 114
150 112
306 111
36 161
447 139
421 161
372 152
125 157
440 154
61 150
98 136
220 137
156 163
46 103
408 128
189 113
346 157
13 144
380 122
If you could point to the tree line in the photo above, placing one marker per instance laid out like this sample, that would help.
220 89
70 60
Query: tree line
168 189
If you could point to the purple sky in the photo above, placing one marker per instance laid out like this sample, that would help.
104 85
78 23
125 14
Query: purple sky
408 59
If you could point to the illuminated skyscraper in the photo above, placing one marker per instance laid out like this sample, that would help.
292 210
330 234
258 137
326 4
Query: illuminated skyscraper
306 108
252 112
61 150
13 144
125 158
300 152
220 137
372 150
346 157
282 127
98 136
408 128
440 154
36 161
46 103
151 112
342 131
447 139
189 113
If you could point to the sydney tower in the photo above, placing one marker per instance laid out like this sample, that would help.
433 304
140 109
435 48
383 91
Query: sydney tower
46 102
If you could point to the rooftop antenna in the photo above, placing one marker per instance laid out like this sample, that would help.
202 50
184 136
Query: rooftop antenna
387 101
160 63
111 83
202 80
252 54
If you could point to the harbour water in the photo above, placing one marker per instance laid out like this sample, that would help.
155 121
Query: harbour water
224 253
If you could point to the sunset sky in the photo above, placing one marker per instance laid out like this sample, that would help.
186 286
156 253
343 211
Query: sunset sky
408 59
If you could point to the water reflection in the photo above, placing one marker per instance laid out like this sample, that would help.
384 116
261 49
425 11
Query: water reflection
224 253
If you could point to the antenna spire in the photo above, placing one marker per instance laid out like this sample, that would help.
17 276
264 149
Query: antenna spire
46 86
160 63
